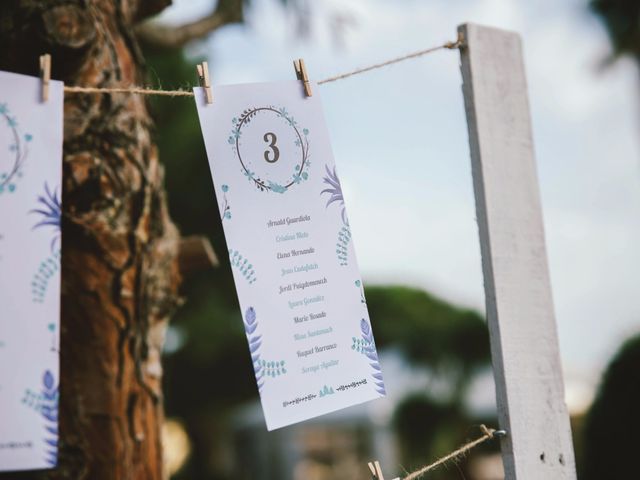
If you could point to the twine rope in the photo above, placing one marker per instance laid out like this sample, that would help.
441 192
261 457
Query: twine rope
139 90
391 61
487 434
186 93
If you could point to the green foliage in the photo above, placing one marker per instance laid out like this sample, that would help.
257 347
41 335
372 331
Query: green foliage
181 147
429 331
613 422
417 421
451 343
429 429
622 20
203 373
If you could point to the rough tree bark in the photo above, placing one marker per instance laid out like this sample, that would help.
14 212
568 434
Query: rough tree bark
119 249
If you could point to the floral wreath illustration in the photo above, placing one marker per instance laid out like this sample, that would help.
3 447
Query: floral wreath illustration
19 148
301 170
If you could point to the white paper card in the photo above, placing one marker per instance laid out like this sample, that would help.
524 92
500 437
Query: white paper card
290 246
30 185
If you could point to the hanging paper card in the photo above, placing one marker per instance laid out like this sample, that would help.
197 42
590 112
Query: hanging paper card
291 250
30 183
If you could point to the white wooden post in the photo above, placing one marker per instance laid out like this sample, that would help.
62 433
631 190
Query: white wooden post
524 343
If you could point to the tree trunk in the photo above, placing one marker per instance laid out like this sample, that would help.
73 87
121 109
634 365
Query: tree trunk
119 246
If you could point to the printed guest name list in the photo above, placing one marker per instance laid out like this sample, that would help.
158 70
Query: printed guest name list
290 250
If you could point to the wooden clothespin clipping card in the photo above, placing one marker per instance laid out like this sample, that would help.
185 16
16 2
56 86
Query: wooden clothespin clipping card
301 74
372 469
45 75
205 81
376 471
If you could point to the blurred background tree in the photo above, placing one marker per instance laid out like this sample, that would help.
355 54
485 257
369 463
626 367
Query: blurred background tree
608 449
613 422
622 20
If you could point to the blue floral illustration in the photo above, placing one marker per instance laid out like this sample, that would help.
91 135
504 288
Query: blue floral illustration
18 149
226 210
45 402
358 284
235 133
370 352
299 177
262 368
50 414
255 341
342 245
334 190
326 390
32 400
40 280
276 187
54 337
50 211
360 345
273 369
243 265
301 171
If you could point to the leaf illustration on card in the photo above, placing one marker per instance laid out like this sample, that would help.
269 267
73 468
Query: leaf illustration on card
226 209
334 190
243 265
50 415
40 279
262 368
45 402
370 352
49 210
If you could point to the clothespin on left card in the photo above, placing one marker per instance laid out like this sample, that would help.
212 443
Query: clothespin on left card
205 80
45 75
301 74
376 471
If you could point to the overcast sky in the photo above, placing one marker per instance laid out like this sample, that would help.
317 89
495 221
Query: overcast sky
400 140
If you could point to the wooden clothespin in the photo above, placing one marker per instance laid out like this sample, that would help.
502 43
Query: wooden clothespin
301 74
376 471
372 469
45 75
205 82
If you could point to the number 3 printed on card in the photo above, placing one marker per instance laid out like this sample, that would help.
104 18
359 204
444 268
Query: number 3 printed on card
271 138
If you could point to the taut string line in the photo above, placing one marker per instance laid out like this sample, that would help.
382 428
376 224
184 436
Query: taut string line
138 90
419 53
186 93
487 434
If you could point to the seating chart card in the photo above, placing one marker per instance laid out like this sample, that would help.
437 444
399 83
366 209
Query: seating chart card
30 186
291 251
